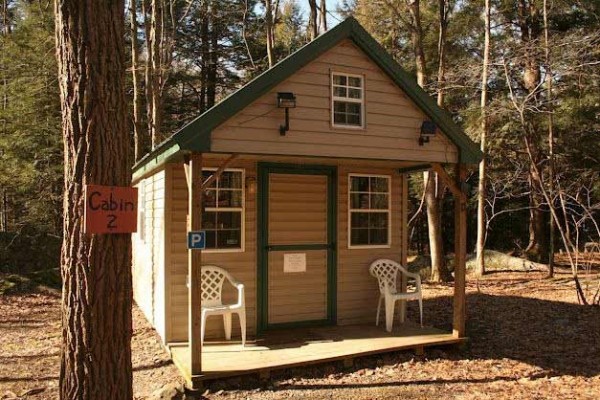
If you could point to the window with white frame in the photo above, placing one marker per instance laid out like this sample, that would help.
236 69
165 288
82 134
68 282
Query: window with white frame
223 205
369 208
347 100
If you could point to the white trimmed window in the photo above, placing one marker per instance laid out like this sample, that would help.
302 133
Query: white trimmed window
223 205
347 100
369 211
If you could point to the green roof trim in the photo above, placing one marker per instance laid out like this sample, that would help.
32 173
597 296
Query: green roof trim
195 136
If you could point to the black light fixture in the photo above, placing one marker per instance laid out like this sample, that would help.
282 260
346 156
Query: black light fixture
285 100
428 129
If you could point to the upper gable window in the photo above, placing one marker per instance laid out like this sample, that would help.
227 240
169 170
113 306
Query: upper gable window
347 100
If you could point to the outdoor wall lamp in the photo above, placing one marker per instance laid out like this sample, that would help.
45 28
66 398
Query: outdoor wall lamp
286 100
250 185
428 129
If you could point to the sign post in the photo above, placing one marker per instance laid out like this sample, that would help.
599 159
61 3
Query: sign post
110 209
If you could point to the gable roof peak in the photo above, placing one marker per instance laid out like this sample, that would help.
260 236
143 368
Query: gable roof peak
195 136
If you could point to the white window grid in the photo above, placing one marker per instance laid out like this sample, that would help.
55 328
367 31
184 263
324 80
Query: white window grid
348 99
387 210
241 210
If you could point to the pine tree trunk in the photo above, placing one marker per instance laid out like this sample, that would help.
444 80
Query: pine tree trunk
481 222
269 31
204 37
323 16
5 18
443 26
313 26
211 90
139 144
5 32
96 269
148 72
439 270
156 39
550 140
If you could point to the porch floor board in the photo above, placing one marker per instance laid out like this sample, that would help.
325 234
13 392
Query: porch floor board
297 347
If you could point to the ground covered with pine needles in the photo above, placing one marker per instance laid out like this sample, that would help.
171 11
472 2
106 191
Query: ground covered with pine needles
529 339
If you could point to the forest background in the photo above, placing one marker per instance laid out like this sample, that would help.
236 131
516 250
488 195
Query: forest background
540 118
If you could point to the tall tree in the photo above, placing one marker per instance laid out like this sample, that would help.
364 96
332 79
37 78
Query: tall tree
269 28
139 147
548 71
481 221
96 269
313 25
323 15
156 41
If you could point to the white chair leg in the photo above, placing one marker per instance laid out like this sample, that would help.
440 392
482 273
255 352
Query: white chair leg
378 309
421 310
389 314
242 316
227 325
202 328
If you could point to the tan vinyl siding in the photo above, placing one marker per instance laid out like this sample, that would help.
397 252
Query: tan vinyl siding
392 121
149 254
300 296
242 265
297 215
297 209
357 290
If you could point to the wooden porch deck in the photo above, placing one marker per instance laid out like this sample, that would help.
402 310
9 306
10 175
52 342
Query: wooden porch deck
298 347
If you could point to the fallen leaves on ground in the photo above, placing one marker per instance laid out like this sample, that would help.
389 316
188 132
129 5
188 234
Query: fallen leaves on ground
528 339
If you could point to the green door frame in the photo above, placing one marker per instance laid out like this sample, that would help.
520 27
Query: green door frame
262 278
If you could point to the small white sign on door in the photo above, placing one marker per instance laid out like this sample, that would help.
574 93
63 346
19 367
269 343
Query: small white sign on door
294 262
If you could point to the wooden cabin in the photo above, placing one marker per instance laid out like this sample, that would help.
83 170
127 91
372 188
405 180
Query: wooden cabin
327 181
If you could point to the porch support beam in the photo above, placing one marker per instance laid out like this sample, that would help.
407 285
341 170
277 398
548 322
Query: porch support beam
460 251
194 179
454 186
404 246
219 171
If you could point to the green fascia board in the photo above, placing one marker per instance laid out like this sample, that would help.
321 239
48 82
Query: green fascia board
155 160
195 136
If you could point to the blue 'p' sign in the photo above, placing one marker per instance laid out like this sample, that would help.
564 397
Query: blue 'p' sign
197 240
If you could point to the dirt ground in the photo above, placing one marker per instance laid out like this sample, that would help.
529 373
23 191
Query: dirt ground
529 339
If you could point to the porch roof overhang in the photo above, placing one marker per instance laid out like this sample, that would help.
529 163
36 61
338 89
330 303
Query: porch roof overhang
196 135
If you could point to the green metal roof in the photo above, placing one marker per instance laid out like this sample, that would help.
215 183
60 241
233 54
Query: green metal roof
195 136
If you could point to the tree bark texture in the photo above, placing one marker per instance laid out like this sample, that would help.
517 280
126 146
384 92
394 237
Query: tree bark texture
269 31
443 6
157 44
481 221
550 138
528 19
96 269
323 16
439 270
148 71
139 142
313 26
417 42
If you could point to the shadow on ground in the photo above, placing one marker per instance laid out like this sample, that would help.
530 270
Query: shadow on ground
558 337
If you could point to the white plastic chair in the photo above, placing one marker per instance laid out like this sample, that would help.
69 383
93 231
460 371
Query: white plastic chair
386 272
212 289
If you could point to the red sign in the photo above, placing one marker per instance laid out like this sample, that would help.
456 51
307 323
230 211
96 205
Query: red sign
110 209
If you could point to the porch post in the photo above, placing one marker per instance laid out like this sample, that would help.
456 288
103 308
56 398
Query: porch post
194 179
460 253
404 246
